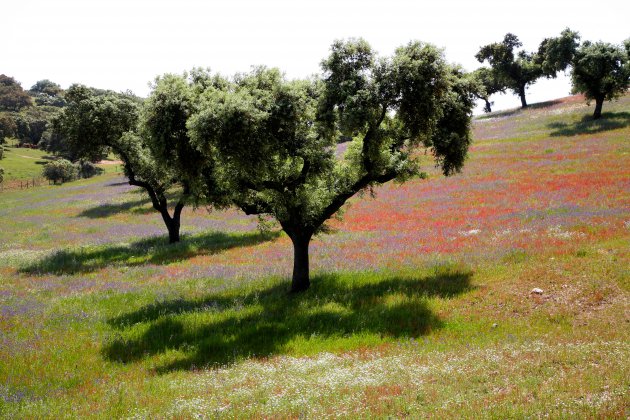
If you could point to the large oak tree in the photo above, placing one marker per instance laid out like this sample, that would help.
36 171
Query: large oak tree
601 71
275 139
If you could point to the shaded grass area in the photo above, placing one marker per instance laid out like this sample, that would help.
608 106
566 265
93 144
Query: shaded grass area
338 312
108 209
137 206
587 125
515 111
153 250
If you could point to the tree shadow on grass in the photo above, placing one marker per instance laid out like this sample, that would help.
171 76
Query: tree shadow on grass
153 250
510 112
223 329
107 210
117 184
587 125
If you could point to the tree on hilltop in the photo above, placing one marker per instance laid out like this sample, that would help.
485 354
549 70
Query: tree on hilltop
12 96
46 92
517 70
556 54
489 83
275 139
601 71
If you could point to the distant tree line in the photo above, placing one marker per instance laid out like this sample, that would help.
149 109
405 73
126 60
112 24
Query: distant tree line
599 70
25 115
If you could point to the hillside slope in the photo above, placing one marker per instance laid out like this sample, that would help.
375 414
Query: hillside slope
422 301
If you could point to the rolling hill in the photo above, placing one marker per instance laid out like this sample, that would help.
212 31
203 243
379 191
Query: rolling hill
500 292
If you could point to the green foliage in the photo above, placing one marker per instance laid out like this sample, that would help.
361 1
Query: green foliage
517 70
8 128
163 121
48 93
86 169
601 71
60 170
27 125
12 96
488 82
556 54
91 123
1 174
1 152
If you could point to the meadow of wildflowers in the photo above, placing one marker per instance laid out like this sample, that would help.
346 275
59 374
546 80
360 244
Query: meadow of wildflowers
420 305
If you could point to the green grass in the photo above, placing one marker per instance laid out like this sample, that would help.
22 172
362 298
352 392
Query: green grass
27 164
22 163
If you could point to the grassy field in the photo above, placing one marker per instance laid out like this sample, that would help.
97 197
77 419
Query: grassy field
22 163
421 303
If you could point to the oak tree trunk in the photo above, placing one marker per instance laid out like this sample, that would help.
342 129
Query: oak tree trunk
173 231
521 93
301 279
488 107
599 102
172 224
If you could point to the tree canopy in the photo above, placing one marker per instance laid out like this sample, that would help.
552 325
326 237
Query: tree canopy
556 54
601 71
12 96
276 139
517 69
46 92
489 82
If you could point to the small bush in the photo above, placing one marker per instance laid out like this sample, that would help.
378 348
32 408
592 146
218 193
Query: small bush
87 169
60 170
1 174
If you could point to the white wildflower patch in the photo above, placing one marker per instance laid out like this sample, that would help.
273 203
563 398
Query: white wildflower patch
19 257
558 232
309 385
471 232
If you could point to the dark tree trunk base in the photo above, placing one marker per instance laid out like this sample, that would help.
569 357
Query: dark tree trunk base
488 107
173 235
523 100
301 278
172 224
599 103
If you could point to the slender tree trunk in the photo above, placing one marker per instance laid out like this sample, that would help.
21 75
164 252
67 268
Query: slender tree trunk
172 224
488 107
521 93
599 102
301 279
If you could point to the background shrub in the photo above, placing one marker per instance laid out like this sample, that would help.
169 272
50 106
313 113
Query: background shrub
60 170
87 169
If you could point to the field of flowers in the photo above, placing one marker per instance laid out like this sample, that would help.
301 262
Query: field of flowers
421 302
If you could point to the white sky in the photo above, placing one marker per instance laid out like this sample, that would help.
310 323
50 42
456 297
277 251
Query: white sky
124 44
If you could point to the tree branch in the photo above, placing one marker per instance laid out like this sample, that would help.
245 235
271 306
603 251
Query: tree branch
359 185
